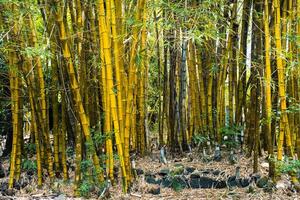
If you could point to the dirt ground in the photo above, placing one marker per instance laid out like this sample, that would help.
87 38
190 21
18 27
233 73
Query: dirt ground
60 190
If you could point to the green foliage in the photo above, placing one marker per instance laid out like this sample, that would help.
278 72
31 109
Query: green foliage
30 149
85 188
85 165
103 157
5 118
176 182
115 89
116 157
229 135
293 108
98 136
288 166
87 183
40 51
70 151
176 185
29 165
90 149
89 179
200 139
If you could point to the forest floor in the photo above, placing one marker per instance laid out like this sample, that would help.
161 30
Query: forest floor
156 181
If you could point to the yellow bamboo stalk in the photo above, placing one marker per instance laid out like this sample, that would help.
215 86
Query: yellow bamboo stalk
30 84
202 102
284 125
118 68
36 137
142 86
20 129
110 85
75 89
131 87
268 78
54 99
43 105
15 105
107 123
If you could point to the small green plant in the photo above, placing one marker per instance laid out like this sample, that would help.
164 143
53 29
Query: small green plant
98 137
116 156
85 188
85 165
199 139
30 149
176 182
90 149
89 179
230 135
29 165
288 166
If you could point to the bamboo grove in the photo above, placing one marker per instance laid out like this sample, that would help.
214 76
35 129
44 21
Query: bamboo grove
92 75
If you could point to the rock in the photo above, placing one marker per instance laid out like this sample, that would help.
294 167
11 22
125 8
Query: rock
255 177
154 191
281 185
152 180
190 169
232 181
264 165
194 183
166 182
162 157
206 182
164 172
139 171
195 174
262 182
220 184
232 158
217 155
244 182
203 182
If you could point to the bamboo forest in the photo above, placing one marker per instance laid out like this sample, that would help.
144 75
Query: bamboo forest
149 99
